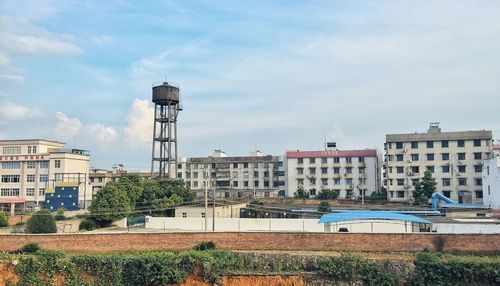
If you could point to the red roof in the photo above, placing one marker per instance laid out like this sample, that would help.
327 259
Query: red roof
12 200
332 153
496 146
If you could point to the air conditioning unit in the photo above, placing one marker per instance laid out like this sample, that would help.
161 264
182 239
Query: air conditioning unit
409 161
459 174
351 186
405 150
460 162
410 173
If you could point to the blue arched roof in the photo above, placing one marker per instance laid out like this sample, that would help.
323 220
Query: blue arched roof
370 215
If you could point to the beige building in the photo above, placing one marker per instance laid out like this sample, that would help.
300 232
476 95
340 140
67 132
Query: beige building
198 210
454 159
30 167
100 177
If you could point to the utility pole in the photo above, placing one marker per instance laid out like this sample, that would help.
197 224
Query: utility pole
213 209
206 174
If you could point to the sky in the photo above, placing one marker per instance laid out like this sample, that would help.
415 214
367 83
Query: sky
267 75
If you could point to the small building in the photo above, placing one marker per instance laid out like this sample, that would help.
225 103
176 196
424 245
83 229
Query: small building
197 210
374 222
491 183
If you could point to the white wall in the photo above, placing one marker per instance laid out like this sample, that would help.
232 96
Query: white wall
491 183
372 226
462 228
234 224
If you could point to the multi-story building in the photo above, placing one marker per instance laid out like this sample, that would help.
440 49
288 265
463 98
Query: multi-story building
453 158
235 177
100 177
496 149
352 173
31 168
491 182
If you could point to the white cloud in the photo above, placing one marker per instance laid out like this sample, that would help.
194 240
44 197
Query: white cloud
36 45
139 129
12 78
103 40
12 111
67 127
101 134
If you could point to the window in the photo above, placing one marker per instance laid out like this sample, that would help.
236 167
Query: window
300 181
266 184
235 184
336 181
445 169
414 157
361 159
336 170
445 144
400 170
430 144
30 178
245 165
44 164
477 143
462 182
11 165
184 215
336 160
461 156
312 170
401 182
446 182
399 157
235 165
29 149
44 178
312 182
348 170
30 165
30 192
7 192
461 143
415 169
414 145
479 194
479 181
266 165
348 181
312 160
324 182
256 184
324 170
462 168
348 159
430 157
41 192
195 184
478 156
447 194
266 174
399 145
400 194
34 149
324 160
11 178
478 168
245 183
430 169
445 156
12 150
300 171
195 175
256 173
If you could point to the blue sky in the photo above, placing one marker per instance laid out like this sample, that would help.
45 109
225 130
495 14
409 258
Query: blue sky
271 75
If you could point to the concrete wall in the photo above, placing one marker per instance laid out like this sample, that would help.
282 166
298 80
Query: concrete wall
491 183
486 243
220 211
464 228
234 224
372 226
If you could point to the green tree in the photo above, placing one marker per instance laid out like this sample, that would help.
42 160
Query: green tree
256 202
327 194
301 193
60 214
133 185
41 221
3 220
165 188
110 204
324 207
160 206
424 189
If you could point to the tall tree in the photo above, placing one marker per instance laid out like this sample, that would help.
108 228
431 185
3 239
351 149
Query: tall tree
424 189
110 204
132 184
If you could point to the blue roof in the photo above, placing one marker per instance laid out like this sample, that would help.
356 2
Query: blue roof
370 215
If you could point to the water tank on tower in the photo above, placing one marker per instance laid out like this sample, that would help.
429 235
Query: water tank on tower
166 98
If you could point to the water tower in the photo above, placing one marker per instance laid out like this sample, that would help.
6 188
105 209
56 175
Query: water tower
166 98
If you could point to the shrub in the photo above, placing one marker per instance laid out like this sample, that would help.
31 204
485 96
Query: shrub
324 207
204 245
60 214
31 247
87 224
42 221
3 220
327 194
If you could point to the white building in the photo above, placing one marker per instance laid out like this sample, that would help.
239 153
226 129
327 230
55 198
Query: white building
491 182
496 149
454 159
255 175
349 172
30 167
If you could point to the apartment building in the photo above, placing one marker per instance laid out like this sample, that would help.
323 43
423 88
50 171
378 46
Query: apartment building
352 173
100 177
453 158
491 182
256 175
32 170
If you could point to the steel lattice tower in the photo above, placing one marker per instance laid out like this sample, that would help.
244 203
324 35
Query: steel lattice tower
166 98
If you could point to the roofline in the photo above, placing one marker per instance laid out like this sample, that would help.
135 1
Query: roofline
26 140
